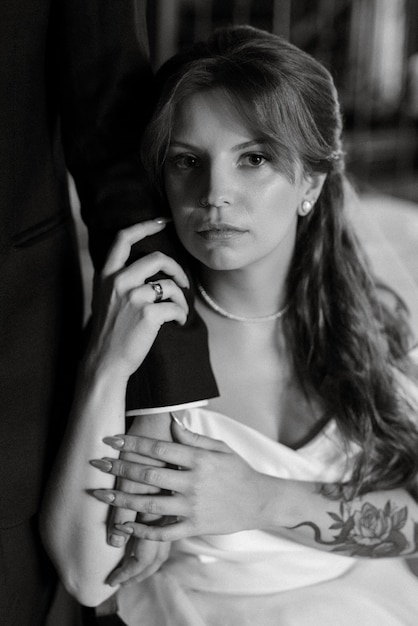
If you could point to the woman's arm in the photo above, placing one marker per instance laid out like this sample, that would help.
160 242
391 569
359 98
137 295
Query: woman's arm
143 557
72 527
126 322
217 492
376 524
73 523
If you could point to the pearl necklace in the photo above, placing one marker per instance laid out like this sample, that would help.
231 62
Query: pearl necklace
238 318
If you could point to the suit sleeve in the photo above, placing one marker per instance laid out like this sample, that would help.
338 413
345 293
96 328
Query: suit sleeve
106 93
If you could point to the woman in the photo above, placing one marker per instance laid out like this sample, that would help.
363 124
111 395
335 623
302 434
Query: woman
307 460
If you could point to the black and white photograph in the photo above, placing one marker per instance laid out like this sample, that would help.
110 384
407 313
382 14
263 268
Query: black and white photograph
209 313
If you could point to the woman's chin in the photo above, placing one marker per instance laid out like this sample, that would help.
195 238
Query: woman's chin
221 260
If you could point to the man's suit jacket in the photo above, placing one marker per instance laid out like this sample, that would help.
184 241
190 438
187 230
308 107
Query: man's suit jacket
76 90
75 93
75 80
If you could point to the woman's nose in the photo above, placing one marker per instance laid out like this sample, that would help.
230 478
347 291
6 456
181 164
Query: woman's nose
218 188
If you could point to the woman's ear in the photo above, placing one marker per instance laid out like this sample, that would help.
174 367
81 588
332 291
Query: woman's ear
312 188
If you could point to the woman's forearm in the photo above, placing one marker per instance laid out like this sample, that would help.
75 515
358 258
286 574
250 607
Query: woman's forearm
377 524
382 523
73 523
127 318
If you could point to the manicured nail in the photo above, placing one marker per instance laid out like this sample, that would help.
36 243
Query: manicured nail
115 442
178 422
104 496
124 529
102 464
117 541
163 220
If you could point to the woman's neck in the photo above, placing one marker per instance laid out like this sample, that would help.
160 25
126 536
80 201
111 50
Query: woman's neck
244 292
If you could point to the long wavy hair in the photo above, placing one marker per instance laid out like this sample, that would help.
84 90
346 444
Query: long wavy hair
347 347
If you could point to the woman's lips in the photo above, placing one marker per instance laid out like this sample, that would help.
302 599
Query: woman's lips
220 232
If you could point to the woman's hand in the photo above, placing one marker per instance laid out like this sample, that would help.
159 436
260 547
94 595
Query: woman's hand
127 317
214 491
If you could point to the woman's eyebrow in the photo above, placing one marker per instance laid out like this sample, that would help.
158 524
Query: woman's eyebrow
182 144
240 146
249 144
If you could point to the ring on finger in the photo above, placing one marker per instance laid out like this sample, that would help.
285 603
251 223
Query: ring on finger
159 292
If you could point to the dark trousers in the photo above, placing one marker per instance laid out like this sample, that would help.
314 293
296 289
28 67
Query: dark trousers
27 578
28 583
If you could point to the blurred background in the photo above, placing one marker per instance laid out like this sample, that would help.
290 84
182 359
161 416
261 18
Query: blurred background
371 49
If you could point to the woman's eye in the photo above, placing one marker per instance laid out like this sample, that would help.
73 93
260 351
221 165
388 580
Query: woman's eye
184 161
254 159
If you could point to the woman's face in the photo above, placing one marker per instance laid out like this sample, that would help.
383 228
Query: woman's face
232 207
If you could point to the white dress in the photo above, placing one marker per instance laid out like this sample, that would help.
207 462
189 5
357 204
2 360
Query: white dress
262 578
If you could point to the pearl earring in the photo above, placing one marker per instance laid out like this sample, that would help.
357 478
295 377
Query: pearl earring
306 207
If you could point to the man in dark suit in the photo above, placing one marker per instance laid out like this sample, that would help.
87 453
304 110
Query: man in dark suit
75 83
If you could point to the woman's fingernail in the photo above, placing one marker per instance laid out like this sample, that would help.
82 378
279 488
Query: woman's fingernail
115 442
163 220
124 528
117 541
178 422
102 464
104 495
